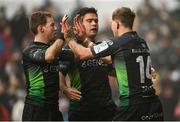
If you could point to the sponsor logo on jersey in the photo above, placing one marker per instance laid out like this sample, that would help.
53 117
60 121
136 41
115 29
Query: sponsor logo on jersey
51 68
153 116
92 63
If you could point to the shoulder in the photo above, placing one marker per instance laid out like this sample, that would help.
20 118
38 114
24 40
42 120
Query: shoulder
32 48
28 48
122 40
37 45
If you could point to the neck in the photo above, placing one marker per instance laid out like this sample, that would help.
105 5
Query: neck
124 30
92 38
41 38
88 40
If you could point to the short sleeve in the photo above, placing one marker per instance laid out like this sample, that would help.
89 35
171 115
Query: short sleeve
105 48
35 54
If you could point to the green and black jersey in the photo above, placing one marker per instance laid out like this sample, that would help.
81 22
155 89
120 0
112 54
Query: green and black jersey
91 78
132 63
42 78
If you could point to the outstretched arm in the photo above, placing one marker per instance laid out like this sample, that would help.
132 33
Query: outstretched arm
106 59
80 51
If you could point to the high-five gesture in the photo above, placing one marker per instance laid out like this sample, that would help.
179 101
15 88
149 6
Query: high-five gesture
66 29
79 28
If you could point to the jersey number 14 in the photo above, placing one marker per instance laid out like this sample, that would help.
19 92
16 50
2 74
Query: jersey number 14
147 66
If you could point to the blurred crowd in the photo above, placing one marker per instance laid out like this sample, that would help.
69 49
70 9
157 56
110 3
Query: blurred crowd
158 26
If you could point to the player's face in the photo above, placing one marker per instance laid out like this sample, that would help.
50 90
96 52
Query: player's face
50 29
90 22
114 27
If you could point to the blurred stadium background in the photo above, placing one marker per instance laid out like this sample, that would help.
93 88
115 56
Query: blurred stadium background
158 22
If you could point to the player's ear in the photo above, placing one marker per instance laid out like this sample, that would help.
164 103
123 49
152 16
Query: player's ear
118 24
40 28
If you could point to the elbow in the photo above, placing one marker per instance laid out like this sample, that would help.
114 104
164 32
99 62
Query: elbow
83 54
108 62
49 58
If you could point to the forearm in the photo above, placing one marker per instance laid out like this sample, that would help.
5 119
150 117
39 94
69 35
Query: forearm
62 82
81 52
88 43
53 51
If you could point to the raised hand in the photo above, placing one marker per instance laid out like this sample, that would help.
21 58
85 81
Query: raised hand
79 28
66 29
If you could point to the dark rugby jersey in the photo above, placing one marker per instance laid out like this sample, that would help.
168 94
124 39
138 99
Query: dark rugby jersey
132 63
91 78
42 78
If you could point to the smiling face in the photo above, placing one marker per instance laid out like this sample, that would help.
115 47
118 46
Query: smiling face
90 22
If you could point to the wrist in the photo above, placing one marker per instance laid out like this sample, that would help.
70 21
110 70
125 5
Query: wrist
68 39
79 39
64 90
60 41
61 36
